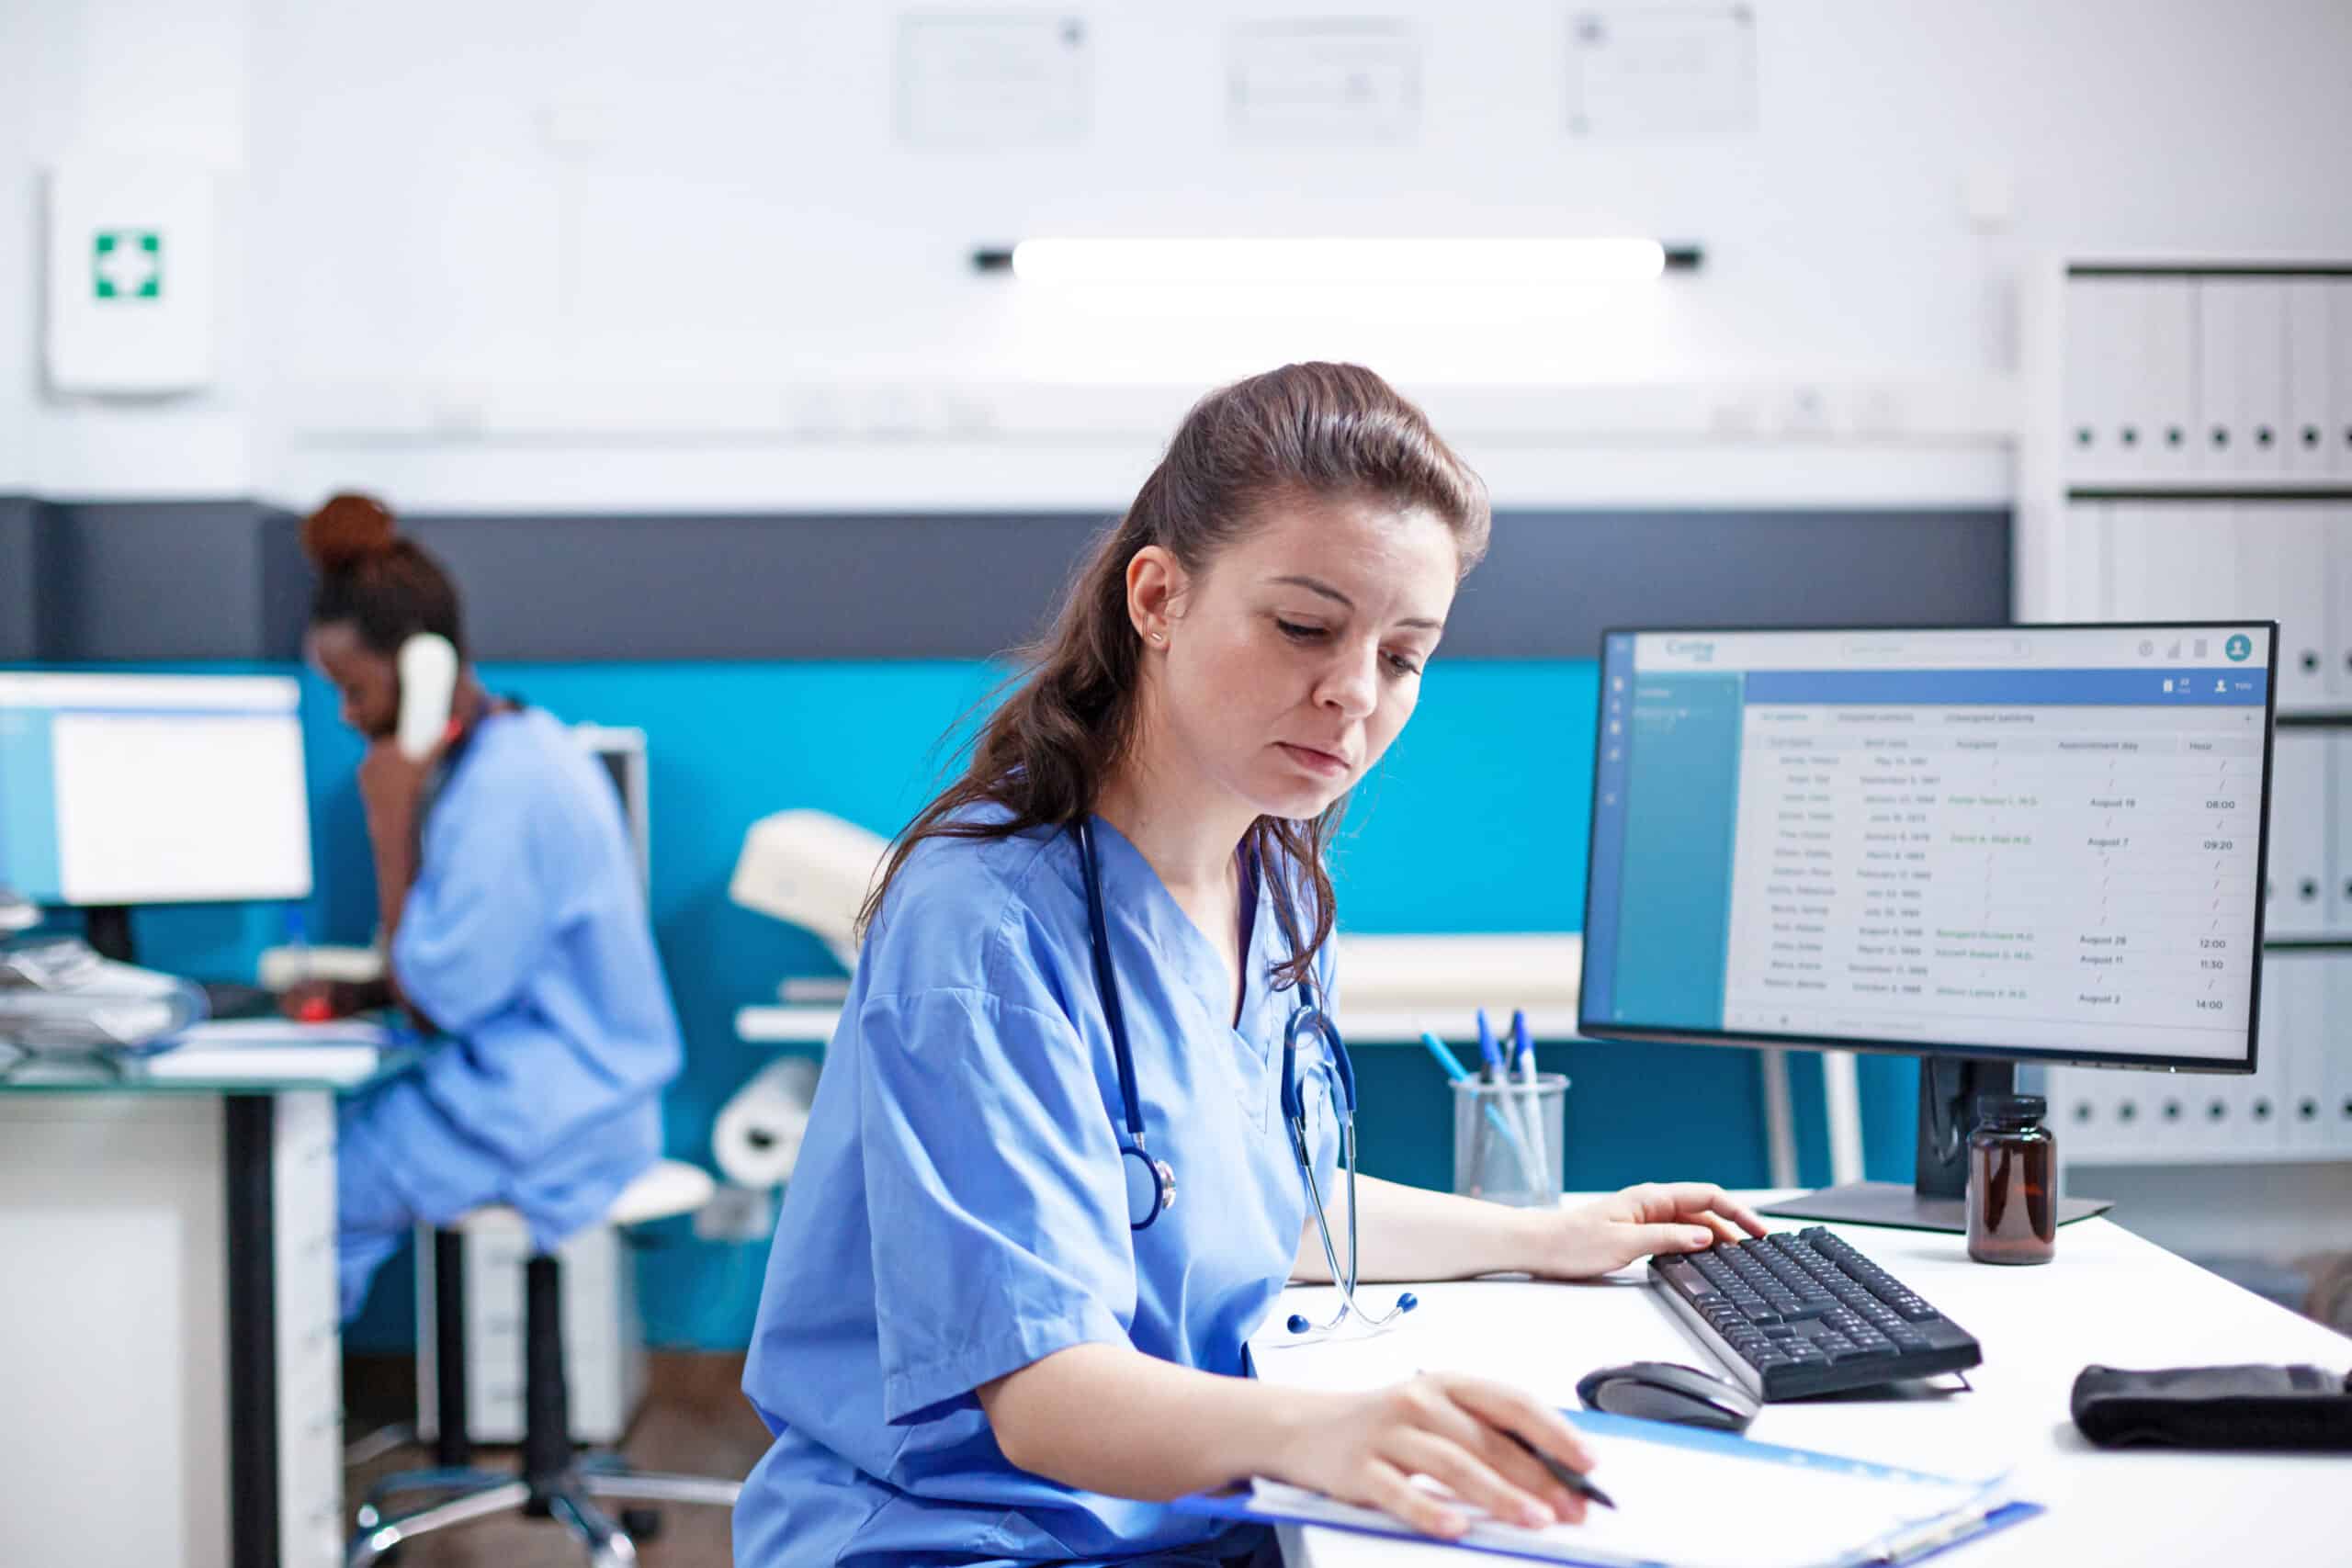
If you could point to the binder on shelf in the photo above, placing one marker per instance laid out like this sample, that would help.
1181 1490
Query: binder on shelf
2296 896
2161 317
2335 522
2338 425
2339 821
2242 374
2082 569
2332 1072
2171 561
2310 349
2294 1016
2258 1101
2282 574
2093 346
2168 370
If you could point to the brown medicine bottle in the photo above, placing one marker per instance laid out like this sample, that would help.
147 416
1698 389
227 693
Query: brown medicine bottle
2012 1182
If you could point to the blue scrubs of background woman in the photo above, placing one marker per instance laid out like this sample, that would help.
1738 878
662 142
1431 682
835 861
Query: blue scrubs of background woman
967 1354
513 922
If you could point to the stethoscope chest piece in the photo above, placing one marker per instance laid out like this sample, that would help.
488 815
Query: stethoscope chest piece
1151 1187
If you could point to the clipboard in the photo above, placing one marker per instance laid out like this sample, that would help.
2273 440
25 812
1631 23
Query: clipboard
1769 1506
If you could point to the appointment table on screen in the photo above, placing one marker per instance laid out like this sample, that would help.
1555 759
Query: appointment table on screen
2110 1297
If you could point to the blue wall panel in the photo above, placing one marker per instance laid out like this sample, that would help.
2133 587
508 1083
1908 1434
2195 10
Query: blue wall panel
1475 821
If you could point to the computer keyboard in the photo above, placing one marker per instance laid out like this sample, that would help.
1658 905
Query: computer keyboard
230 1001
1799 1313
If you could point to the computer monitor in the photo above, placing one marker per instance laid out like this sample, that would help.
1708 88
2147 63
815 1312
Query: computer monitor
620 753
122 789
1982 847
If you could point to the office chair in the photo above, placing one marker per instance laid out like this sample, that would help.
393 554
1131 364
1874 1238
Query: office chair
555 1483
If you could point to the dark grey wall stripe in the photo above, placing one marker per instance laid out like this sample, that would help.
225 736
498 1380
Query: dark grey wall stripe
19 593
1553 579
226 581
863 586
126 581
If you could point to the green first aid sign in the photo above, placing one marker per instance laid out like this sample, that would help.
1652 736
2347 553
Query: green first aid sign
127 264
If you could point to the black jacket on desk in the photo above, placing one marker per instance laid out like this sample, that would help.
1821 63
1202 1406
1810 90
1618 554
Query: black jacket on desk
2215 1407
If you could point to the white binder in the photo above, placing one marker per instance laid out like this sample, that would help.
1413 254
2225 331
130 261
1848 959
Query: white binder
2332 1046
2094 348
2161 318
2172 561
2082 581
2242 365
2340 822
2294 1013
2282 575
2335 522
2310 349
2338 430
2296 898
2260 1101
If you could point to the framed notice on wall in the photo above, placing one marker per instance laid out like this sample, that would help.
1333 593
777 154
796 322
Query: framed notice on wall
131 277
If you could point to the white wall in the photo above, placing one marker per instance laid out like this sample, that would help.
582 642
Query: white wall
721 281
134 78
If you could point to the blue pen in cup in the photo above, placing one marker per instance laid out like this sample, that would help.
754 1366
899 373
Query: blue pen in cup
1462 1078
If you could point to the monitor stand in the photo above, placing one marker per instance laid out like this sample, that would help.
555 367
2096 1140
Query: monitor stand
1937 1199
106 928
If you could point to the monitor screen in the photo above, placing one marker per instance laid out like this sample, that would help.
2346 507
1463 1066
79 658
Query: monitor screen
2033 843
147 789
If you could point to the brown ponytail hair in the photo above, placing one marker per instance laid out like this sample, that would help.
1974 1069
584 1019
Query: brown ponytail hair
1319 430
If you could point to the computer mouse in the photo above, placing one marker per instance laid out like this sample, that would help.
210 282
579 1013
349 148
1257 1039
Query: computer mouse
1663 1391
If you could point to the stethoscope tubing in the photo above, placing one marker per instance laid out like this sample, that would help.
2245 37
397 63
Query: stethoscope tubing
1337 1066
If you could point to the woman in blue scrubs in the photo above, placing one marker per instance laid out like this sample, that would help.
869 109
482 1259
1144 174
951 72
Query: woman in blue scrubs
515 925
966 1351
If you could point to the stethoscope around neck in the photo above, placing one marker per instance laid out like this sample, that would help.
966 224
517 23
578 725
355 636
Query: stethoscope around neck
1151 1183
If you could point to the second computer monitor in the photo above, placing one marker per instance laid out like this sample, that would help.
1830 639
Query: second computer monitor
2043 843
2027 844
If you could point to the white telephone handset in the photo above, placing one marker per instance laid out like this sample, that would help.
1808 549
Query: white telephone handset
428 672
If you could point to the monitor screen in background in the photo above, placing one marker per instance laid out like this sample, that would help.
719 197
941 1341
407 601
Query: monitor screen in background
147 789
2032 842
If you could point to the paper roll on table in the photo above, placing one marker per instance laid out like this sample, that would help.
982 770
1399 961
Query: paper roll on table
757 1136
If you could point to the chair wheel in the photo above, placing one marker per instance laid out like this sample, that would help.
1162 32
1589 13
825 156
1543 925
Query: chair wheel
641 1524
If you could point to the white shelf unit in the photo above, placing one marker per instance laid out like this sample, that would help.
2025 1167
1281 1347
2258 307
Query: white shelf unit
2186 455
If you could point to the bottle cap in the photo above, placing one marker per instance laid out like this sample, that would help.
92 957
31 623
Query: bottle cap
2011 1107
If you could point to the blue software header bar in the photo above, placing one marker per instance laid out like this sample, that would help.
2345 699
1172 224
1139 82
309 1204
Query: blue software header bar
2110 688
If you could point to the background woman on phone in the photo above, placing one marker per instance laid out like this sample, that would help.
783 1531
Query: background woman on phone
513 925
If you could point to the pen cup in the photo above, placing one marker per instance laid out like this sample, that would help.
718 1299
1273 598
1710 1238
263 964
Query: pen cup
1509 1139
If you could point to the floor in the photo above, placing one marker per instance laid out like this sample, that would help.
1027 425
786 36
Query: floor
693 1420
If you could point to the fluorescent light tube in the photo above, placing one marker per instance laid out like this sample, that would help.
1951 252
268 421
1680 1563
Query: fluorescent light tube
1340 262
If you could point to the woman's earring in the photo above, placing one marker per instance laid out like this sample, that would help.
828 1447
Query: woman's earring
1156 636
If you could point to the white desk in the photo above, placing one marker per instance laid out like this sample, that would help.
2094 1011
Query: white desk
2110 1297
169 1349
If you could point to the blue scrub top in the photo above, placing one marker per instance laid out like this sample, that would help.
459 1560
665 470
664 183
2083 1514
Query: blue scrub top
524 939
959 1208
